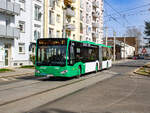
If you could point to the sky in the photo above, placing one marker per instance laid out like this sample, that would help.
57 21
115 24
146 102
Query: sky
122 17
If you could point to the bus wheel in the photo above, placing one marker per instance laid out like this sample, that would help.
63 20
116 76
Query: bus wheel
78 76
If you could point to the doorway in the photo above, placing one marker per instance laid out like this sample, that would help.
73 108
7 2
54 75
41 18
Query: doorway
7 55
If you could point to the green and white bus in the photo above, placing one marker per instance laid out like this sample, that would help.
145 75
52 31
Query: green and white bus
63 57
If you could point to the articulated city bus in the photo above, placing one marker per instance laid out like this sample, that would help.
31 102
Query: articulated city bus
63 57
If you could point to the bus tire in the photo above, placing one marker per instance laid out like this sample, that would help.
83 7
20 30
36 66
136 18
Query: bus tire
78 76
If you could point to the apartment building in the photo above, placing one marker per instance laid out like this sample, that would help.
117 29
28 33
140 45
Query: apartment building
59 19
37 21
91 20
12 33
20 26
82 19
22 22
53 18
72 17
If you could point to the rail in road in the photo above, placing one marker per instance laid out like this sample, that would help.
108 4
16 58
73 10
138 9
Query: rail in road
43 91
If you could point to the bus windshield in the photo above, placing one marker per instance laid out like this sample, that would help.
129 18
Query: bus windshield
52 55
51 52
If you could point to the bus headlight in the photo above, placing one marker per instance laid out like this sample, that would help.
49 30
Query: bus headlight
65 71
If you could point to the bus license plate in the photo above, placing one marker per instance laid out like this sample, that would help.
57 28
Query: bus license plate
50 76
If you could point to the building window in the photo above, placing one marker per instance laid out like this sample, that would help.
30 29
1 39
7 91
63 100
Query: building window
58 34
22 5
52 3
81 28
37 34
58 18
22 26
37 13
80 38
74 36
51 33
81 15
21 47
51 18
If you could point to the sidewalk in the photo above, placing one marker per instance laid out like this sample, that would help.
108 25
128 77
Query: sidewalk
17 72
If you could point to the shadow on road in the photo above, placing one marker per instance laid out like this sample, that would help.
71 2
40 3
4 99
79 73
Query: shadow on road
51 79
127 65
52 111
44 78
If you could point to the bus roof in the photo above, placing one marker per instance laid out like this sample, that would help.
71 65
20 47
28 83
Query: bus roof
89 42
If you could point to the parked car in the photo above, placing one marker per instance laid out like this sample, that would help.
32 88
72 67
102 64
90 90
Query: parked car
140 57
135 57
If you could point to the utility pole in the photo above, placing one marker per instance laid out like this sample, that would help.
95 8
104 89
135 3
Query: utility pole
106 28
114 51
64 23
124 47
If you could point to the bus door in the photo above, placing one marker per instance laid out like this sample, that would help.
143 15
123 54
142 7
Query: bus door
100 57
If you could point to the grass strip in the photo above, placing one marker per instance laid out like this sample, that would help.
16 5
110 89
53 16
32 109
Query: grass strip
3 70
28 66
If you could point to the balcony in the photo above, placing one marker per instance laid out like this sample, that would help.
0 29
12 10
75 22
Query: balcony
95 24
2 31
95 35
96 4
9 32
70 12
16 8
9 7
70 27
95 14
2 5
73 1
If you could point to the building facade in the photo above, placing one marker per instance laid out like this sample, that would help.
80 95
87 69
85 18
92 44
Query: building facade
53 18
91 20
21 23
36 26
81 19
14 34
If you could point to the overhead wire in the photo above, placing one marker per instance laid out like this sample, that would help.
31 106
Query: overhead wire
117 12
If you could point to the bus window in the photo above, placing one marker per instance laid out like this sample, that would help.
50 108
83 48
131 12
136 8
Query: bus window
71 54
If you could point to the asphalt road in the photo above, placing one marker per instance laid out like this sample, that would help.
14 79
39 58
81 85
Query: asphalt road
123 93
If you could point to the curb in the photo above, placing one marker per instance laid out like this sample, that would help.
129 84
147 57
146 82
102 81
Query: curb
135 72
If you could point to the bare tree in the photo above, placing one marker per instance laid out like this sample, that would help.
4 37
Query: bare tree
134 32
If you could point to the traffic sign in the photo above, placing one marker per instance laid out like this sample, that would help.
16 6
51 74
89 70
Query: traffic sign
144 50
